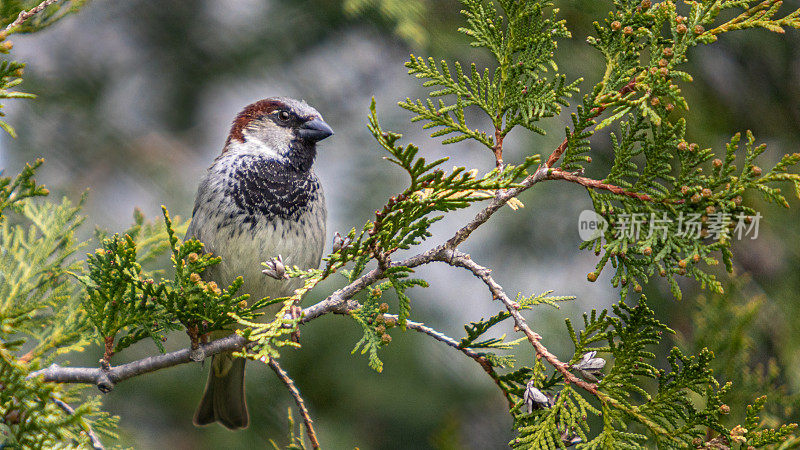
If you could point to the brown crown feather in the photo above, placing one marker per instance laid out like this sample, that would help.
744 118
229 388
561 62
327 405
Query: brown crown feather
251 112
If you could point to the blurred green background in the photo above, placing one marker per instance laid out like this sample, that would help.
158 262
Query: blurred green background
135 100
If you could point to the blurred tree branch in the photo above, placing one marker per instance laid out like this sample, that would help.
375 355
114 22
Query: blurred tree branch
298 399
93 438
25 15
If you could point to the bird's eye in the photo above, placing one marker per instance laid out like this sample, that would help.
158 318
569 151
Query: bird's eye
283 116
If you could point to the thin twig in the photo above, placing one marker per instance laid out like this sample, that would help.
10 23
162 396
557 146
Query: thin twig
556 155
441 337
341 302
558 174
590 183
96 444
301 405
498 147
459 259
25 15
338 302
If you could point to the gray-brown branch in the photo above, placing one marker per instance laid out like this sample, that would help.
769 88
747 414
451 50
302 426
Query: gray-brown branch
25 15
341 302
459 259
93 439
105 380
477 357
298 399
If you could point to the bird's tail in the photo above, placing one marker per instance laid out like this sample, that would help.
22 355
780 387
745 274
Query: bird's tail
223 400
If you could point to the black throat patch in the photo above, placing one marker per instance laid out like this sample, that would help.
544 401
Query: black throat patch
265 186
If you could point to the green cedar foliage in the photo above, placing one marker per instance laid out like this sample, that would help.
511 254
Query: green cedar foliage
114 300
126 303
736 325
11 71
655 173
294 437
406 16
649 44
52 304
40 318
524 88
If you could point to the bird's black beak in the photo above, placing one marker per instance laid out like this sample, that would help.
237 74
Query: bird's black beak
314 130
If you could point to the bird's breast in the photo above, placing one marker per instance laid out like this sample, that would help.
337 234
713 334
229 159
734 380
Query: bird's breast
251 215
245 242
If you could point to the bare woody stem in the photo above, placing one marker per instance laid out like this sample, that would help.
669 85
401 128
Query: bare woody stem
498 146
589 183
341 301
105 380
93 439
556 155
298 399
441 337
25 15
108 352
459 259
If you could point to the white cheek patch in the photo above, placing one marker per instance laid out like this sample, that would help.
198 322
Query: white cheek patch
275 146
279 139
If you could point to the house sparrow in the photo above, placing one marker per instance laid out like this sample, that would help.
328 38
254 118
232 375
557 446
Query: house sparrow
259 200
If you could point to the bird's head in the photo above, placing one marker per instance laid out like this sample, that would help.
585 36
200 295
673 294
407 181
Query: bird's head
281 128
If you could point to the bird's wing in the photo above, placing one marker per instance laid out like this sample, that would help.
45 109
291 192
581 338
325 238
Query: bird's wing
193 232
